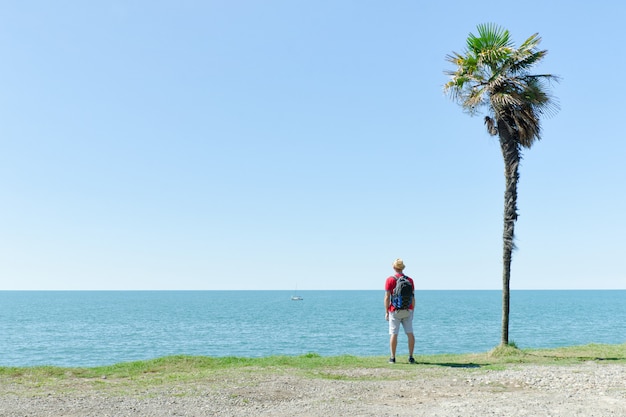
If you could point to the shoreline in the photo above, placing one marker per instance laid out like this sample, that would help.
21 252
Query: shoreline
592 351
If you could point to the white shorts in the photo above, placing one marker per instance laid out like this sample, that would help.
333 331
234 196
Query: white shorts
394 323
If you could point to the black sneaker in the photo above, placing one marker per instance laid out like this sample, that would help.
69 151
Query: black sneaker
392 360
411 360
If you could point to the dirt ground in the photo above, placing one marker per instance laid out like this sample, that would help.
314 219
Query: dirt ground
589 389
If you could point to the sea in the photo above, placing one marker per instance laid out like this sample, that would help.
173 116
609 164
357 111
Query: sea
98 328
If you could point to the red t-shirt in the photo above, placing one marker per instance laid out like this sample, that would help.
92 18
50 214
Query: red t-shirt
390 284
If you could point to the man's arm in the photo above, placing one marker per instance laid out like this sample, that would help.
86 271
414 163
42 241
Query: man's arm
387 302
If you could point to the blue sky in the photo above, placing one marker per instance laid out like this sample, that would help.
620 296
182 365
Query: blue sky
272 144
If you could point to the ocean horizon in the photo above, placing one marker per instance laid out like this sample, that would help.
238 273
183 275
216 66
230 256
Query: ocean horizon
78 328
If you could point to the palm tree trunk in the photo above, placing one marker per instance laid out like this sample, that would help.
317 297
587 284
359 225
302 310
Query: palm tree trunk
511 154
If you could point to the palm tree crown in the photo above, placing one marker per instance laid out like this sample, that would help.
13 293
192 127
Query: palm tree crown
495 74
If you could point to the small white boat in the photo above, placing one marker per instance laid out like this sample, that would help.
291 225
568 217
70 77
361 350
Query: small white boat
295 296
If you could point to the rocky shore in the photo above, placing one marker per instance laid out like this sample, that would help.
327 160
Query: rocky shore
587 389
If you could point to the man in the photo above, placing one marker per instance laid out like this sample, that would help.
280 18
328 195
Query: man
399 317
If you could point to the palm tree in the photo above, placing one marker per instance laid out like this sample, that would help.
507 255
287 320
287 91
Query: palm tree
494 74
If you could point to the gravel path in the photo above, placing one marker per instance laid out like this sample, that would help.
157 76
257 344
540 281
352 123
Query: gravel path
589 389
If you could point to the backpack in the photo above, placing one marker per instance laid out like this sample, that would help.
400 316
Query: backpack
402 294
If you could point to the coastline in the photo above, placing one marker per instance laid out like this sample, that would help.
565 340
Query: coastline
581 380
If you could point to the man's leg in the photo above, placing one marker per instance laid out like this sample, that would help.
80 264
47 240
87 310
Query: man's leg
408 329
394 329
411 338
393 343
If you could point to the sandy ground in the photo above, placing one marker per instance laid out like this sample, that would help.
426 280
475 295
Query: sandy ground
590 389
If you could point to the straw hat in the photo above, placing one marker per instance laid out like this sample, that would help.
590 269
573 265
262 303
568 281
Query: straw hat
398 264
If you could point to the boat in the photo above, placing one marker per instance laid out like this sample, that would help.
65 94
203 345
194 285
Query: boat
295 296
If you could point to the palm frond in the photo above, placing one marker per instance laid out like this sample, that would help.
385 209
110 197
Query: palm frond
531 43
522 62
490 36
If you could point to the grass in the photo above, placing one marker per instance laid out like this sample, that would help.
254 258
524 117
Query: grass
185 370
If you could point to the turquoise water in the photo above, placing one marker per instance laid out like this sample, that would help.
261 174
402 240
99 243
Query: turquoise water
91 328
